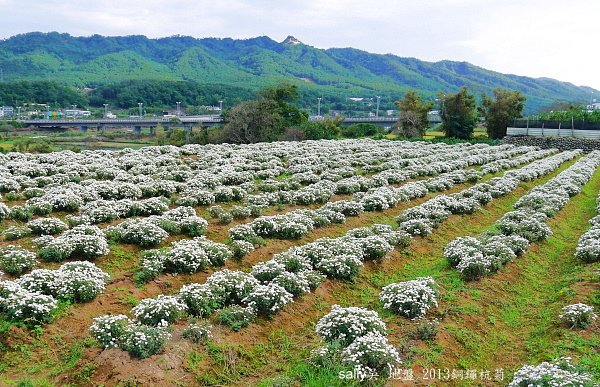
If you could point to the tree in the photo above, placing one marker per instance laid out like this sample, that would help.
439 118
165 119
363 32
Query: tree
459 114
413 115
264 118
328 128
361 130
501 111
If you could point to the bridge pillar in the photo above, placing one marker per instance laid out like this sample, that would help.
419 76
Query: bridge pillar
83 128
101 128
188 132
137 129
152 130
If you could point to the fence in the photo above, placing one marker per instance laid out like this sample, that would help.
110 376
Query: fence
547 124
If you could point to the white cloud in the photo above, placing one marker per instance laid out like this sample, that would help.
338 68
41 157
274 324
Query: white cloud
537 38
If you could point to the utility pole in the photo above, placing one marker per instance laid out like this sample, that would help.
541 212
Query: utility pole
105 110
319 106
140 108
377 111
48 110
178 108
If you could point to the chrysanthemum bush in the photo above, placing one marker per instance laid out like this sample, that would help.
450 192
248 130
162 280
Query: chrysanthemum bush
109 330
19 304
236 317
346 324
357 336
268 299
199 299
77 281
578 315
142 341
560 372
231 287
13 233
159 311
79 242
139 232
184 256
371 354
410 298
4 211
47 226
197 332
16 260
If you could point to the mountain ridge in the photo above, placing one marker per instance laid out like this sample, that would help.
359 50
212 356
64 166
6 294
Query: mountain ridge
335 73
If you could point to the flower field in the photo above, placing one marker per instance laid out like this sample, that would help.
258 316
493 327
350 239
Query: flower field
300 263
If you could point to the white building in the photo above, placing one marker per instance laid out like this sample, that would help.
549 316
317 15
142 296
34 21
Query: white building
77 113
7 111
593 106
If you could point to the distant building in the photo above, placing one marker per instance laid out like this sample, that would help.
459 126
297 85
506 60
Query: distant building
77 113
434 117
7 111
593 106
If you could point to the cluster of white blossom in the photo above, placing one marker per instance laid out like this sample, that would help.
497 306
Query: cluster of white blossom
507 163
410 298
19 304
588 247
358 334
16 260
79 242
559 373
578 315
33 298
159 311
118 331
345 325
47 226
143 232
78 281
186 256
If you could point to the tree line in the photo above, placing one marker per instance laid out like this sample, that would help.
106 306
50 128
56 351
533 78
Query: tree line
272 116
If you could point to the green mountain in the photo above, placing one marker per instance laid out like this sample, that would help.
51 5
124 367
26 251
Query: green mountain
250 64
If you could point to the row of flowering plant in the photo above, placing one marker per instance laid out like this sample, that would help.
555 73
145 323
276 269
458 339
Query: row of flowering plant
588 247
33 297
475 257
422 219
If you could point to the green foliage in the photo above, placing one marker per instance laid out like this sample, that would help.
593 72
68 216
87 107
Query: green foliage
235 317
571 112
28 144
413 115
501 111
15 93
264 118
327 129
164 94
361 130
459 115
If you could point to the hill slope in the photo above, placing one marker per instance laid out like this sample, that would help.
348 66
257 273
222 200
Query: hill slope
335 73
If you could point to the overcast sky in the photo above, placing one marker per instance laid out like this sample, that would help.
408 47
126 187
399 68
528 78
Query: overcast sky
538 38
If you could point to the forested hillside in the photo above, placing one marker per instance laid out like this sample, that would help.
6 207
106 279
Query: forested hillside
248 65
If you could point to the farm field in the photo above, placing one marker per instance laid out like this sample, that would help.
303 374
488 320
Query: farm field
318 263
